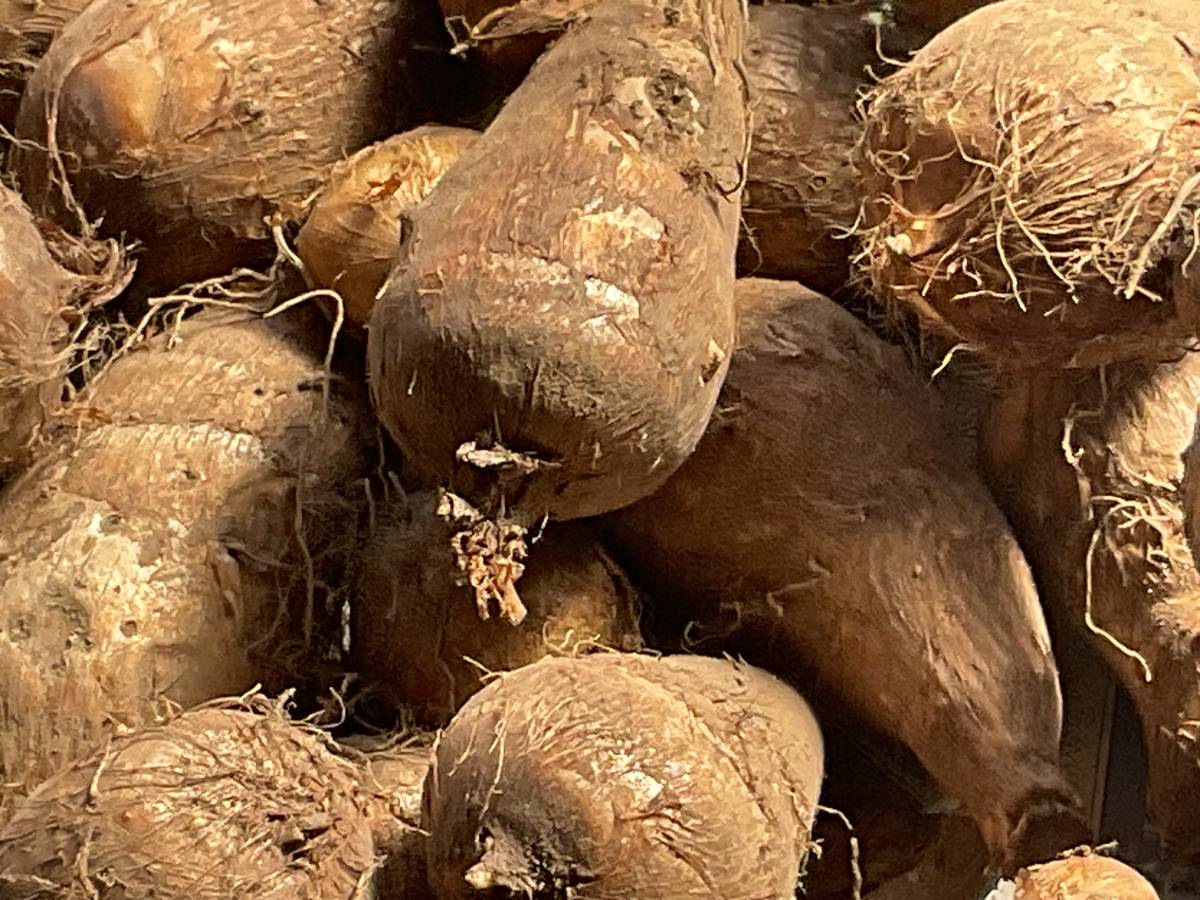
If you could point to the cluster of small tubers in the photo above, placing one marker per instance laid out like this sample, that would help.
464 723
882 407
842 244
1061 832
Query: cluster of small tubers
599 449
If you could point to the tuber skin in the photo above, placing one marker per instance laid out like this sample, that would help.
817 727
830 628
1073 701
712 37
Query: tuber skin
46 288
830 529
220 802
34 292
394 776
152 557
1083 876
1096 470
806 65
190 144
350 238
554 335
617 775
411 642
26 29
1029 183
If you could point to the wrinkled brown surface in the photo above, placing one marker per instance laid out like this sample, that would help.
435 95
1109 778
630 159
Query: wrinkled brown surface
571 296
26 29
416 640
1016 172
218 803
147 556
187 123
34 291
1095 471
615 776
862 553
806 65
350 239
1086 877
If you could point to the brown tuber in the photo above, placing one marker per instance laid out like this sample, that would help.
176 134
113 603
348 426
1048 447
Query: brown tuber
806 65
156 554
1097 472
187 124
221 802
41 302
554 335
830 528
1031 182
350 239
411 641
1085 876
616 775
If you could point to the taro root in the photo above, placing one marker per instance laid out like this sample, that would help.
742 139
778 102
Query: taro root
411 641
187 124
220 802
26 29
1097 471
1031 182
168 547
559 322
352 235
831 529
806 66
41 300
618 775
1085 876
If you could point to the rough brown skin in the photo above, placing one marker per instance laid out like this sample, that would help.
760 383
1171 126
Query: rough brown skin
34 290
831 514
617 775
188 143
395 777
218 803
1030 182
1094 471
41 300
570 298
806 65
349 241
26 29
149 557
1083 877
412 642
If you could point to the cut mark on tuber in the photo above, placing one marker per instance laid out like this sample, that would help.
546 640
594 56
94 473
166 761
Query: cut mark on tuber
491 553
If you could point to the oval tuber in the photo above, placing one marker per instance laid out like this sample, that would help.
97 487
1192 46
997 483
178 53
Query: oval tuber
619 775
